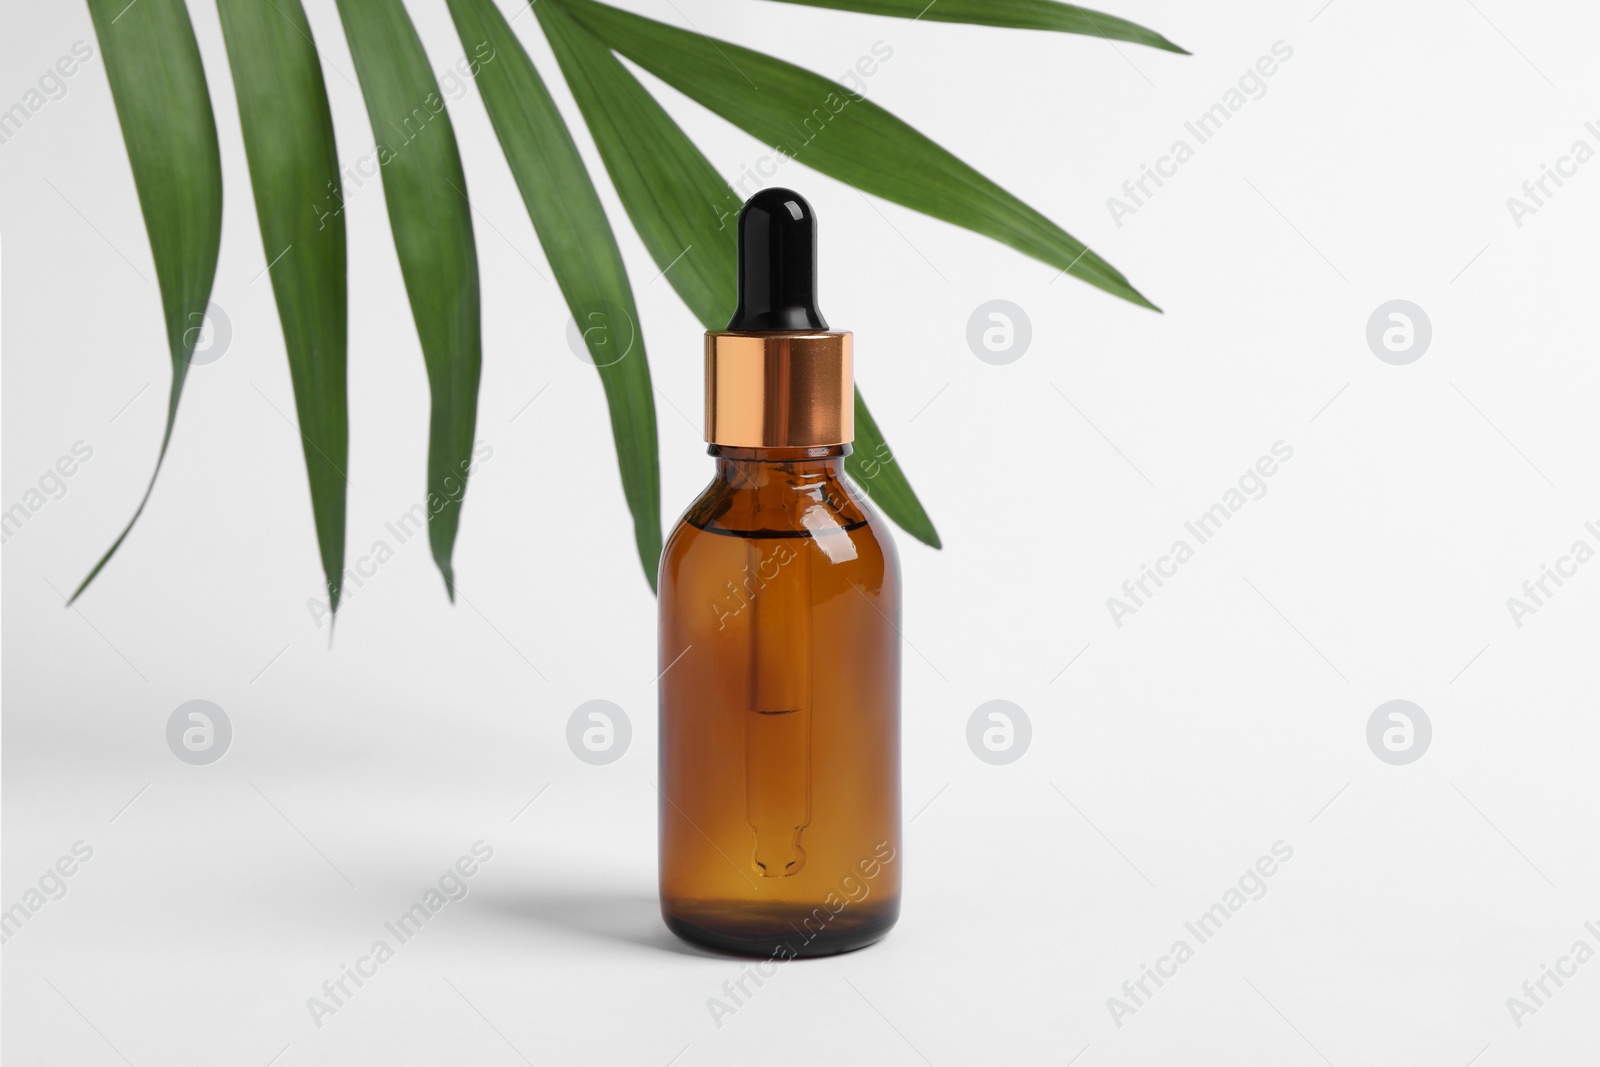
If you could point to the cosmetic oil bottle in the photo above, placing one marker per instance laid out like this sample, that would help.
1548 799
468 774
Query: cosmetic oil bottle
779 637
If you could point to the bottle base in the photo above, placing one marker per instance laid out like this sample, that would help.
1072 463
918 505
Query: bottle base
778 931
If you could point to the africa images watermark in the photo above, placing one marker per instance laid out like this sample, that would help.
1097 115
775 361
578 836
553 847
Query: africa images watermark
751 581
51 486
51 85
1202 528
1252 885
853 87
853 888
451 887
869 467
1536 992
353 177
1252 85
1538 190
1536 592
51 886
403 529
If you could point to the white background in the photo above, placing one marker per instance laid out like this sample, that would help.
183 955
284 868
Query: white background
1228 714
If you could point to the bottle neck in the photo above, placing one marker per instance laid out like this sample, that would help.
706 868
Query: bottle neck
755 466
765 492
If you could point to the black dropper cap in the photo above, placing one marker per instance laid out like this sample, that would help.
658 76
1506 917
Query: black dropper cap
777 264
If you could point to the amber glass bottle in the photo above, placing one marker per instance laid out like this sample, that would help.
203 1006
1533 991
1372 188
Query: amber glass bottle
779 639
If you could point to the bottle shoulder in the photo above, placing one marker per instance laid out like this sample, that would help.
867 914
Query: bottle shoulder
779 503
831 516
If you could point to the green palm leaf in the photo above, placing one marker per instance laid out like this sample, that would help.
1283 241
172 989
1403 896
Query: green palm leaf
159 87
582 252
1018 14
684 212
294 173
874 467
816 121
681 208
432 223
